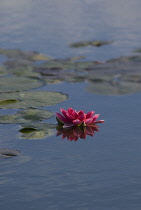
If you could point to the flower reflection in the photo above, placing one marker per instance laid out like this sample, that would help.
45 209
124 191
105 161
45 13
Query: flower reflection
75 133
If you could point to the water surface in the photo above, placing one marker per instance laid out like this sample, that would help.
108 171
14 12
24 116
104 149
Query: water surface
101 172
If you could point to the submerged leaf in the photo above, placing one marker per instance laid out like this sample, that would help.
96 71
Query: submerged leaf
32 99
11 84
7 153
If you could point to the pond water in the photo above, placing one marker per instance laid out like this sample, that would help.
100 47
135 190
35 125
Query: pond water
100 172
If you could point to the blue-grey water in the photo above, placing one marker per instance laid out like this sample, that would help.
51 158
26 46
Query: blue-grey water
101 172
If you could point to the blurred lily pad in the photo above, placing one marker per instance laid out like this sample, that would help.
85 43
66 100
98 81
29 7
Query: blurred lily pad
7 101
56 65
96 43
11 84
3 71
37 130
126 59
117 85
26 116
19 54
138 50
31 99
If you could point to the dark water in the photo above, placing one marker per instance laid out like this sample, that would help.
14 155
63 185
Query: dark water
101 172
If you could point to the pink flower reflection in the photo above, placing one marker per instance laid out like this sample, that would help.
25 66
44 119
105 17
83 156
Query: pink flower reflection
74 133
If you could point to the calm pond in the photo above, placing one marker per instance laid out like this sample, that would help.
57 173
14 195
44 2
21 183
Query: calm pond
82 54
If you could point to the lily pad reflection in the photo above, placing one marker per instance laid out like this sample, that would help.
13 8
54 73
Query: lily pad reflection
30 99
75 133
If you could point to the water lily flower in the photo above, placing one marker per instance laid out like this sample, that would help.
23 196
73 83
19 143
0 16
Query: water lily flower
74 133
71 117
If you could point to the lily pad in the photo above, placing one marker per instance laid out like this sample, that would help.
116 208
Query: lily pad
19 54
37 131
11 84
96 43
26 116
7 153
113 87
57 65
3 71
8 101
31 99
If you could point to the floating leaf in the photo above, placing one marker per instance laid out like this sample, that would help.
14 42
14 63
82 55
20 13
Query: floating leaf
7 101
11 84
37 131
3 71
40 57
96 43
138 50
113 87
32 99
27 130
26 116
19 54
126 59
57 65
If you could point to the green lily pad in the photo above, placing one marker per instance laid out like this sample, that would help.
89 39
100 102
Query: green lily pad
27 130
11 84
26 116
7 101
37 131
31 99
96 43
19 54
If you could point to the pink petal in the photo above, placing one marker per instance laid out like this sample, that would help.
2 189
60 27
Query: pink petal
66 115
75 114
60 117
88 121
81 117
81 112
77 122
95 117
89 114
68 125
70 111
99 121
